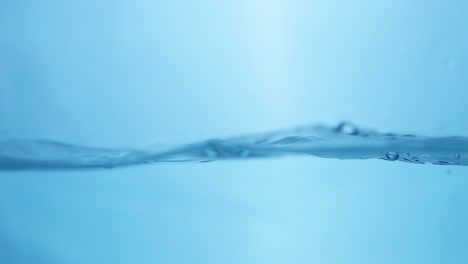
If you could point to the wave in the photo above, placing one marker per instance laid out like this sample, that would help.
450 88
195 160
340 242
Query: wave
344 141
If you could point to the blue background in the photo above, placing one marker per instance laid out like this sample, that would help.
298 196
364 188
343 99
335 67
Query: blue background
138 73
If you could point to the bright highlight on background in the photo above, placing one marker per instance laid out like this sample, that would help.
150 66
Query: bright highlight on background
119 74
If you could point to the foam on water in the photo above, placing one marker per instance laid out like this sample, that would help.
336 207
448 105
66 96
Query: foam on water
344 141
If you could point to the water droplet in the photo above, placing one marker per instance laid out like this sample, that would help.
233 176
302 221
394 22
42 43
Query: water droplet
347 128
457 156
392 156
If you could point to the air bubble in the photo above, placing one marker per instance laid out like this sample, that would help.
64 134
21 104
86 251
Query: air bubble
392 156
347 128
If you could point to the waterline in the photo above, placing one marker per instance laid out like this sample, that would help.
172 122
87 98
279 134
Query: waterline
344 141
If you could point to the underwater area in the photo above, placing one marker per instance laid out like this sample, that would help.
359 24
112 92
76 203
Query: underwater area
247 131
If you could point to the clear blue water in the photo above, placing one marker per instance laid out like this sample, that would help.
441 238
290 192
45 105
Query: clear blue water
344 141
206 81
